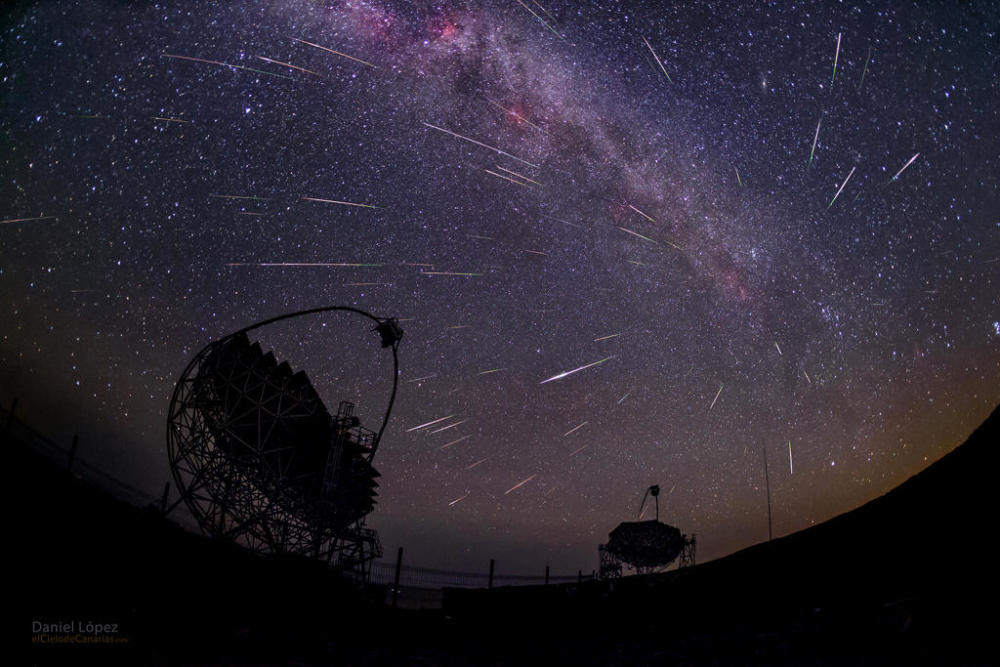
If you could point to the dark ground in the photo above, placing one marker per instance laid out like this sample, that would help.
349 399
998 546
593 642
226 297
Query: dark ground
908 578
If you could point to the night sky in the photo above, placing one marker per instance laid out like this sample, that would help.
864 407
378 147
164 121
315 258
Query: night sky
753 227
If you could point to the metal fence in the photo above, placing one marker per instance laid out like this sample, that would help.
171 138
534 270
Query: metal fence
383 572
62 456
67 457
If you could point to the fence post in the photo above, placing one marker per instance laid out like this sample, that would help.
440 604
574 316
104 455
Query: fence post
10 417
492 563
72 452
546 575
163 500
395 581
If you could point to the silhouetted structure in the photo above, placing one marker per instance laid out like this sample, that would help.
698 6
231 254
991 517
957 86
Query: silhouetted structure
259 460
645 546
801 599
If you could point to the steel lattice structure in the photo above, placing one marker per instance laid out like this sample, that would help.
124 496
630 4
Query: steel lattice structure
259 460
645 546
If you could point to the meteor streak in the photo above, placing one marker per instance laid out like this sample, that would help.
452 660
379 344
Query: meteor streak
417 428
458 500
521 176
779 347
842 187
238 197
222 64
575 428
342 203
455 442
171 120
904 168
624 397
644 238
544 10
542 20
479 143
447 273
738 180
289 65
445 428
560 376
865 70
606 337
565 222
13 220
492 370
835 56
343 55
658 62
791 468
815 139
520 484
516 115
328 264
642 214
507 178
426 377
719 393
577 451
470 467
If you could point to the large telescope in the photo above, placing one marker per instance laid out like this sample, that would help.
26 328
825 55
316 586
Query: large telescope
258 458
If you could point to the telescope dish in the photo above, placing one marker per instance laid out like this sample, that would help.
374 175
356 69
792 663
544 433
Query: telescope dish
258 459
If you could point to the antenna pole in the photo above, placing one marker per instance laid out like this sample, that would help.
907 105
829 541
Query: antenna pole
767 484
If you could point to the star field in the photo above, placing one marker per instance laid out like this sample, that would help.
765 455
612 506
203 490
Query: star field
628 243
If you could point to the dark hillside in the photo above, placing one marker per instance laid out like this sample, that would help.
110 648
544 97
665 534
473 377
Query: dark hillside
912 572
910 576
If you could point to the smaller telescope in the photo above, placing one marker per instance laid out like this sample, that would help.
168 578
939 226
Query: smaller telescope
645 546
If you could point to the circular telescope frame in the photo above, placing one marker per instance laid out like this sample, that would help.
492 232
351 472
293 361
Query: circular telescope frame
242 493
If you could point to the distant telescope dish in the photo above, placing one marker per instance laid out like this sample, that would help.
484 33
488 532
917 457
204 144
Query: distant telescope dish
645 546
259 460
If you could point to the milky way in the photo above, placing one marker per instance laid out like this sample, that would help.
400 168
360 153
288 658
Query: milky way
629 244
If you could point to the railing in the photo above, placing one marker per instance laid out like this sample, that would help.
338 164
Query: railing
382 572
421 577
62 456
